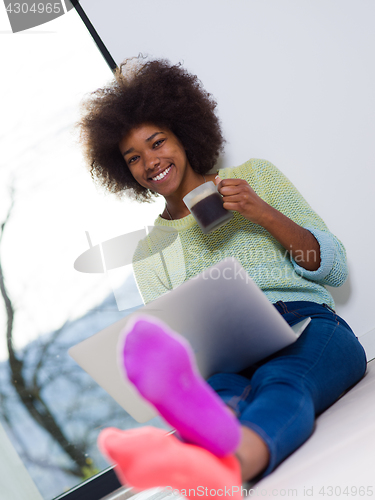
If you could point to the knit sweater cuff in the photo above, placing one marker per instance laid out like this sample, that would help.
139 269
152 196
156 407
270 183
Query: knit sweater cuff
327 256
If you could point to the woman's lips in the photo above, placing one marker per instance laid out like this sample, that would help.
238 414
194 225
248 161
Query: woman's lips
162 175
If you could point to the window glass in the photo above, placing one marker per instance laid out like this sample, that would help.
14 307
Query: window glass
50 409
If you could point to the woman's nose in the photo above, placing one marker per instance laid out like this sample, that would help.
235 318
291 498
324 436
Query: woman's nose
152 161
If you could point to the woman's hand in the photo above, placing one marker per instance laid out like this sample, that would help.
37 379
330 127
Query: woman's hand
238 195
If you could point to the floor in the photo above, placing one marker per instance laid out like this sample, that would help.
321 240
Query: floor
340 455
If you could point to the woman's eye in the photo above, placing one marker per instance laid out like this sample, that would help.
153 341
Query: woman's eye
132 159
157 143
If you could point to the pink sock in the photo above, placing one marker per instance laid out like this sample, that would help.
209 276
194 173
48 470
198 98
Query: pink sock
148 458
161 365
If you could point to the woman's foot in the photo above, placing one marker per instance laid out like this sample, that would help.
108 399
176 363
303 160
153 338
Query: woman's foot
161 365
148 458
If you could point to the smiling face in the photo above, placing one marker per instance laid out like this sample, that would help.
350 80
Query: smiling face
158 161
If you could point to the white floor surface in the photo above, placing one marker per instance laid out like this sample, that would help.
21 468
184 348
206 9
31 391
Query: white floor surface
339 456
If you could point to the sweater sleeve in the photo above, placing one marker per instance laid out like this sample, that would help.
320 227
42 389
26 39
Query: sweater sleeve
158 263
276 189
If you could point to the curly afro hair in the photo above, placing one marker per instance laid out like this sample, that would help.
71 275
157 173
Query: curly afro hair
148 92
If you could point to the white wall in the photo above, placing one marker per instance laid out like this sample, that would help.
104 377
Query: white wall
294 80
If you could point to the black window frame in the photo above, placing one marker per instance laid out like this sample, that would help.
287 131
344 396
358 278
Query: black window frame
99 42
102 484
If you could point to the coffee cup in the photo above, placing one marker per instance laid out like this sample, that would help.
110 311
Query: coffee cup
206 205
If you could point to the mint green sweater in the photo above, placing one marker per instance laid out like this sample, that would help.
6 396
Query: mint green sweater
176 250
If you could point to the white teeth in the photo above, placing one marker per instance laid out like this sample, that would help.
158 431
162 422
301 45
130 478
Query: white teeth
161 175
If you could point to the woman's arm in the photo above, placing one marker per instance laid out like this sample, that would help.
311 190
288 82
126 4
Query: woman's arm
266 196
300 242
302 245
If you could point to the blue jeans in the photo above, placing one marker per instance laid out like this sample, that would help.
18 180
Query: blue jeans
280 397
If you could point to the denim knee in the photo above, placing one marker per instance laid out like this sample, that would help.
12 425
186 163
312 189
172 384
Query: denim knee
233 389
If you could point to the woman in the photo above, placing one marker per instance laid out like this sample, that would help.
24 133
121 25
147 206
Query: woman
154 131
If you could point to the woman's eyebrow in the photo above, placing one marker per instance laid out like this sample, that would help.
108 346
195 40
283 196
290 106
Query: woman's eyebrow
152 136
147 140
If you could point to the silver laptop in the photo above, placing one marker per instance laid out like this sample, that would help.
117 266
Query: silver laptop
226 318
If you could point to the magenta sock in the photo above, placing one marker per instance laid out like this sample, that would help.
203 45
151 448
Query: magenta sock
161 365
